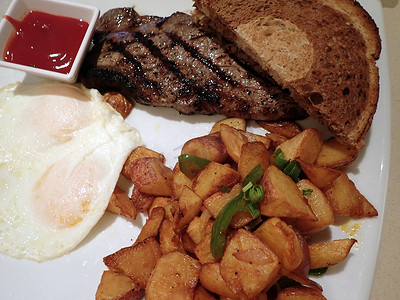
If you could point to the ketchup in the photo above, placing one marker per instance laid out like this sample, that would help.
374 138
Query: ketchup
45 41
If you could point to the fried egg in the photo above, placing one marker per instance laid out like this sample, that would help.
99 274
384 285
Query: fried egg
62 148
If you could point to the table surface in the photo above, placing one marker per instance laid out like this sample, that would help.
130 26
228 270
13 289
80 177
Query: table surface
387 279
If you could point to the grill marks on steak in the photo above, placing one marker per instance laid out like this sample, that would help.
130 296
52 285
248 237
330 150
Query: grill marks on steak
173 62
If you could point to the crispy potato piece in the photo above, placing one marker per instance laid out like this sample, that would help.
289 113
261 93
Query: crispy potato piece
136 261
117 286
175 276
300 293
346 200
139 152
151 176
200 293
203 250
335 155
233 140
276 139
121 204
187 242
252 137
218 200
213 177
320 207
152 225
171 206
210 278
170 241
236 123
140 200
329 253
252 154
248 265
283 241
189 204
200 227
209 147
304 146
318 175
119 103
288 129
179 180
282 197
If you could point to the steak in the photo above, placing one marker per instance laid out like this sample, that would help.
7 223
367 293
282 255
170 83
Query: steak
174 62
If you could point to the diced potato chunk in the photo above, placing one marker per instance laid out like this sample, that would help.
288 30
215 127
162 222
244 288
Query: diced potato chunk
136 261
175 276
304 146
117 286
283 241
329 253
121 204
248 265
213 177
282 197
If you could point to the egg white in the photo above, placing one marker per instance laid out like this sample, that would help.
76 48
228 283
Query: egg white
62 148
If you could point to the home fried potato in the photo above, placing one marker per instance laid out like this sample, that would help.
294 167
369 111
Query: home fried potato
170 205
282 197
276 139
218 200
203 250
264 236
139 152
252 137
236 123
137 261
283 241
248 265
304 146
209 147
170 240
253 154
320 176
189 204
210 278
300 293
233 140
335 155
179 180
175 276
140 200
151 176
346 200
118 102
200 293
118 286
121 204
213 177
200 227
152 225
329 253
286 129
320 206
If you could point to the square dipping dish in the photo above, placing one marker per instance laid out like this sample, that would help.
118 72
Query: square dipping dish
66 23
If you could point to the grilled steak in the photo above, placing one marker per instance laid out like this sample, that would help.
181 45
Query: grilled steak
173 62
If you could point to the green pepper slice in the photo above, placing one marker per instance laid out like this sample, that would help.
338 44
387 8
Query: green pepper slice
246 201
191 165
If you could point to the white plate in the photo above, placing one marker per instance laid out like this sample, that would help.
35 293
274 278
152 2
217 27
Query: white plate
76 275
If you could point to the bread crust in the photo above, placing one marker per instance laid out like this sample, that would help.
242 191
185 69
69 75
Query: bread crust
324 51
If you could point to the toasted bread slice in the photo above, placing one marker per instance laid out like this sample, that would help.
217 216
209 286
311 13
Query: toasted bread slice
324 51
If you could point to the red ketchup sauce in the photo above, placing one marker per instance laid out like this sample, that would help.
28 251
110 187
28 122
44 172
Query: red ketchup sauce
45 41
